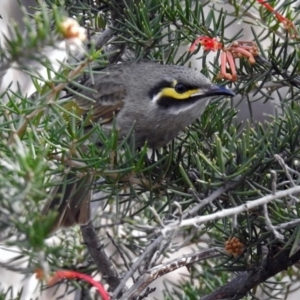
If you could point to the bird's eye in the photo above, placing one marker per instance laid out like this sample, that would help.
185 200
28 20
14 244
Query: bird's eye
180 88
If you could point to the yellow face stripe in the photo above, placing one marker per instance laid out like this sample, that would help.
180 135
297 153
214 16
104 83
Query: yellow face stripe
171 93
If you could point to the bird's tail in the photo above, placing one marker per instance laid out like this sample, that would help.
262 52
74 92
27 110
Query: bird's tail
71 201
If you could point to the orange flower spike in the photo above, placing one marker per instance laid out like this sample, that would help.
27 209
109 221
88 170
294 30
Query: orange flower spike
209 44
245 53
239 49
223 63
232 67
286 22
223 74
65 274
193 46
279 17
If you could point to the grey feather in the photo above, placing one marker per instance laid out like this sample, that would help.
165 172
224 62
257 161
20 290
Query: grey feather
126 91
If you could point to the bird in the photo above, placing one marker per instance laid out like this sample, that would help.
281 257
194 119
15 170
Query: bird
158 101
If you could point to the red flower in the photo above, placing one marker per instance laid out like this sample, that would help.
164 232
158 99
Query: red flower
237 49
66 274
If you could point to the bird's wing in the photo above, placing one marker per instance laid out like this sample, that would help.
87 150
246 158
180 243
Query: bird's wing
101 101
70 200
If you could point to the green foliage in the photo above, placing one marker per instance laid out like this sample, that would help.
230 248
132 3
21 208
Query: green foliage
43 139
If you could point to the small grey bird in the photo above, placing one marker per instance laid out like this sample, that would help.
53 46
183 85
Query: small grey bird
159 100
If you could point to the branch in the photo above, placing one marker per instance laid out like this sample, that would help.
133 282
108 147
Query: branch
137 264
102 261
240 286
231 211
288 225
227 186
269 224
162 269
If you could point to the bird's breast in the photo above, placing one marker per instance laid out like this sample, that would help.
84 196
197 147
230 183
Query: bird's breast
155 125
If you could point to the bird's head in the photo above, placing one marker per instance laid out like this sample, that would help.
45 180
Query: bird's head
178 89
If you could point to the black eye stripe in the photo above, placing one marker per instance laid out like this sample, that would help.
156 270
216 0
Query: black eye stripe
168 102
157 89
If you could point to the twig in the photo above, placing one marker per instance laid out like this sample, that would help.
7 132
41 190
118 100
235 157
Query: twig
134 267
288 172
147 292
68 161
234 221
103 38
102 261
119 251
156 216
274 181
286 169
231 211
265 208
227 186
288 225
168 267
269 224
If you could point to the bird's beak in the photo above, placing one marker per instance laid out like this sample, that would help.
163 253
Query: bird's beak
216 90
213 90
